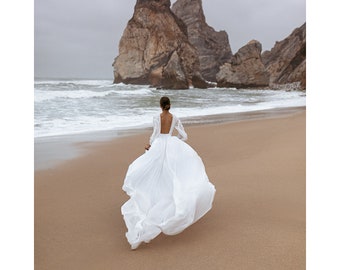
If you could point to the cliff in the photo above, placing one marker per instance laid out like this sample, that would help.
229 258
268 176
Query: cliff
246 69
213 47
155 49
176 49
286 61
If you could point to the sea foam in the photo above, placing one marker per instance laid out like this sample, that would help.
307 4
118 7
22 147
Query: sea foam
76 106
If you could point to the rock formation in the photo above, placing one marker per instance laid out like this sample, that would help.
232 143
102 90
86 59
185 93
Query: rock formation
286 61
155 49
213 47
246 69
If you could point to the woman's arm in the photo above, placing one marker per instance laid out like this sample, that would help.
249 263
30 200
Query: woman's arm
154 133
181 132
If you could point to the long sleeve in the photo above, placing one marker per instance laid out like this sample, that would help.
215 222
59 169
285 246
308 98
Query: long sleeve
156 130
181 132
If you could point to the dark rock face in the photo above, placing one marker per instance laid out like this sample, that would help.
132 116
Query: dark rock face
155 49
246 69
213 47
286 61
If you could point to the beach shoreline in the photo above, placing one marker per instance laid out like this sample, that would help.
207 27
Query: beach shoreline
51 151
258 218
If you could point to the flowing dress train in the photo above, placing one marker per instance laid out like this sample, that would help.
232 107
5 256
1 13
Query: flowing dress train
168 187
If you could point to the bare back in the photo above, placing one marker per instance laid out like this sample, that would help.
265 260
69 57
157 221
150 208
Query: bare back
166 121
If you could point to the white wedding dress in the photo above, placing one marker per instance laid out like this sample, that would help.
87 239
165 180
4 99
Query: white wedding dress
168 187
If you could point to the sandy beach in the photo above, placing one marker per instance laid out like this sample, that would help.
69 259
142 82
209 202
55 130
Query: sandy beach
258 218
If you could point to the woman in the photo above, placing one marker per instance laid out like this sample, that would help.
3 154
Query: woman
168 186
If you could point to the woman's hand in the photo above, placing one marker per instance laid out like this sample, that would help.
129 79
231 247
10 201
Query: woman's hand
147 147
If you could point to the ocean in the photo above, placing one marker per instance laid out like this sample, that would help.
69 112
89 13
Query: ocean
65 107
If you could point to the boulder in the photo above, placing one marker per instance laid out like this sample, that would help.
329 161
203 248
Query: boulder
286 61
246 69
213 47
155 49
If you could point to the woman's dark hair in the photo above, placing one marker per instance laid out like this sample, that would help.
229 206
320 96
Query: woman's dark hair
165 103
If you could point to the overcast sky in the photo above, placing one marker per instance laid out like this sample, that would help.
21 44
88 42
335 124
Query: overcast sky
79 38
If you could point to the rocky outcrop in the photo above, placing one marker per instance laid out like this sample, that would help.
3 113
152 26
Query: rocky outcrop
155 49
286 61
246 69
213 47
